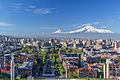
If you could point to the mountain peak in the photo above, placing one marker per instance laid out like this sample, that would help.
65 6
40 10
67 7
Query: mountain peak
58 31
86 29
90 28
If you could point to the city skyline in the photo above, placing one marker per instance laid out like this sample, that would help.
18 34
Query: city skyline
20 17
59 39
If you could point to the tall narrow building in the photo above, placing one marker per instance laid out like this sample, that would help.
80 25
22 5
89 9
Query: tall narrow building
12 68
74 44
115 45
106 69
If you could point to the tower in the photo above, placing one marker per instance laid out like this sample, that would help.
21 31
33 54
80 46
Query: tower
12 67
115 45
106 69
74 44
65 44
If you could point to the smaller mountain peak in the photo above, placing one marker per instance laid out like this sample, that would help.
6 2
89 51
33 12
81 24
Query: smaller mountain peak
58 31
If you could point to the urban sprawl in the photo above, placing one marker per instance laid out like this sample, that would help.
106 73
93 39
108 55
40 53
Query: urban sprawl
31 58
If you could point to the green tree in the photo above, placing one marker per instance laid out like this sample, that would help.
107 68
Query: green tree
78 51
27 50
62 70
30 50
24 50
52 50
53 60
44 56
39 53
18 77
73 74
34 66
69 50
58 60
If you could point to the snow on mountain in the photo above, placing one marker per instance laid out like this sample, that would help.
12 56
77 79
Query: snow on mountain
86 29
90 28
58 31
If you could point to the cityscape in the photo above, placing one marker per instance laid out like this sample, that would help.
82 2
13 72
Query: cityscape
23 58
59 40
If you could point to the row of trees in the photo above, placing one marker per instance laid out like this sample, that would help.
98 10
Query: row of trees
42 55
55 61
55 57
26 50
71 50
57 64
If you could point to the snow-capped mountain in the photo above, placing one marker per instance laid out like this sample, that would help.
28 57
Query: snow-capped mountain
90 28
58 31
86 29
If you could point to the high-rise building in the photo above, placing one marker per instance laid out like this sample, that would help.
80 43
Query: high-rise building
74 44
117 45
65 44
106 69
12 68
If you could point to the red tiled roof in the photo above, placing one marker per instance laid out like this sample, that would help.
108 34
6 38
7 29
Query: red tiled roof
7 65
5 71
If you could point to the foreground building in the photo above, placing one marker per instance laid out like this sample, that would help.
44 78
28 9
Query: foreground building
25 69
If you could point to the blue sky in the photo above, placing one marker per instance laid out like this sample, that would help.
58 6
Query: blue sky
23 17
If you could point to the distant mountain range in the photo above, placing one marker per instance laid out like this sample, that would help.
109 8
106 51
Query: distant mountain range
87 32
85 29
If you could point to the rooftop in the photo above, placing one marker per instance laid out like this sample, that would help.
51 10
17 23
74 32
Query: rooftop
26 65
